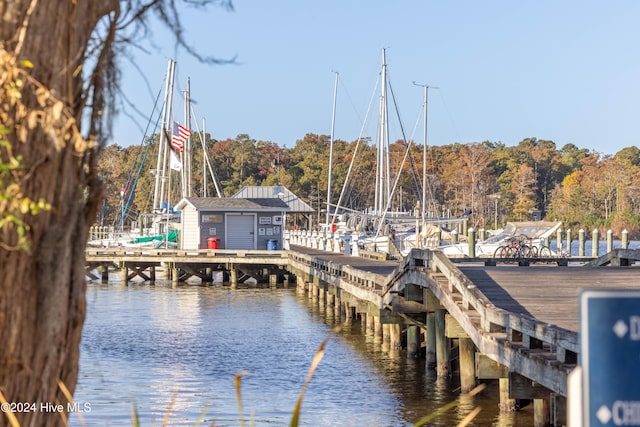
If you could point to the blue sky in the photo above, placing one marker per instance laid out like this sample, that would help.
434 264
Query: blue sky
566 71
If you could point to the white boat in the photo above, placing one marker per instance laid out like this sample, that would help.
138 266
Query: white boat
379 228
533 232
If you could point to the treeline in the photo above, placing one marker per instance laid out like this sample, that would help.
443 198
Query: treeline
497 183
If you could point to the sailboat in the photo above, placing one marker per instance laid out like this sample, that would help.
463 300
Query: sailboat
379 228
159 228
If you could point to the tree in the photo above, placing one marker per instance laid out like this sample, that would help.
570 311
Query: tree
57 76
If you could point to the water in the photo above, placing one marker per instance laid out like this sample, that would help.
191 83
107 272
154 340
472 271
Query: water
146 346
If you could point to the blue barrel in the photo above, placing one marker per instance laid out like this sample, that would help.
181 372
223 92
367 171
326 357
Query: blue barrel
272 245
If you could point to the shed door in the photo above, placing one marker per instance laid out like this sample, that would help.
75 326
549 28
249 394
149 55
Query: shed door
241 232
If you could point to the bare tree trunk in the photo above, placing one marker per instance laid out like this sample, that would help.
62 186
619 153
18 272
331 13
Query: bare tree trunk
42 291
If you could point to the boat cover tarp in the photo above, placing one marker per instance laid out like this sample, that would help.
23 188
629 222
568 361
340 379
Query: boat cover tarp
172 237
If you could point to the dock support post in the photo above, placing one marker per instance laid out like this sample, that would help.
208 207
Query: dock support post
348 313
581 242
300 285
321 295
104 272
369 327
386 334
377 327
394 337
609 241
174 276
430 356
442 344
167 272
273 281
569 242
413 341
541 414
233 277
467 364
506 405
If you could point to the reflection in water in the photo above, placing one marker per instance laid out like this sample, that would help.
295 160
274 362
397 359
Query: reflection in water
145 345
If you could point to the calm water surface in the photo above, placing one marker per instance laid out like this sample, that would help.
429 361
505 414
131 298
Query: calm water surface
145 346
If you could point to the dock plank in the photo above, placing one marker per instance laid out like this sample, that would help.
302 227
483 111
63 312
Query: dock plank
547 293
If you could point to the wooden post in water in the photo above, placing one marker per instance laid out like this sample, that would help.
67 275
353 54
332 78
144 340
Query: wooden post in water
559 241
386 333
581 242
233 277
395 342
569 242
377 327
369 322
467 364
506 405
413 341
430 356
321 295
273 281
104 272
541 413
609 241
300 285
175 276
472 242
337 306
442 344
348 312
625 239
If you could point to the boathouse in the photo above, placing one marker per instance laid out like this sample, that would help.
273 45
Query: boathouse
231 223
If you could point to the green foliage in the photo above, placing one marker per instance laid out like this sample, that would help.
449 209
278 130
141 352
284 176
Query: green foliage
15 207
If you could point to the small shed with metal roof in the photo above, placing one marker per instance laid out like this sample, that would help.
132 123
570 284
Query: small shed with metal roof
297 206
231 223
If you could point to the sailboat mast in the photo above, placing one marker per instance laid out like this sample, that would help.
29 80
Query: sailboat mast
163 146
424 148
204 161
382 168
333 122
186 161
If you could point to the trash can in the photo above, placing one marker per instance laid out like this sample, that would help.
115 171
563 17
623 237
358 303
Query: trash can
213 243
272 245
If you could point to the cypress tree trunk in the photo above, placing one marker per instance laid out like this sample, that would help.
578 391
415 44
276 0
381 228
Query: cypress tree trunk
42 290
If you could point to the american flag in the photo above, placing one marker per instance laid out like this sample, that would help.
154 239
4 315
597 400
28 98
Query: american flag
180 135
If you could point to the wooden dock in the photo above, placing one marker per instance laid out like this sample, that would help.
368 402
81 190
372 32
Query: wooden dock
513 323
180 265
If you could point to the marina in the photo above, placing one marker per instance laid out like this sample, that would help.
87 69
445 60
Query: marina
473 321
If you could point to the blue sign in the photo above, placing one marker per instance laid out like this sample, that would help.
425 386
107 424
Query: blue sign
610 357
